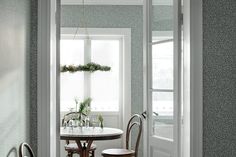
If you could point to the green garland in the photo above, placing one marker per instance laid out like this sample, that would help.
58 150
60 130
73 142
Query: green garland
91 67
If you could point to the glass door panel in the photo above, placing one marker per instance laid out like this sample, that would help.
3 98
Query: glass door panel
163 77
162 65
162 107
162 68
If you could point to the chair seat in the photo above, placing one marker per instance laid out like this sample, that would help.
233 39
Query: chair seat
118 152
74 147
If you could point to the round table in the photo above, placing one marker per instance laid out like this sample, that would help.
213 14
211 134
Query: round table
89 135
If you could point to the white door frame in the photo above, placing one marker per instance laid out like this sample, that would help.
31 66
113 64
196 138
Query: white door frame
193 42
193 104
193 65
48 132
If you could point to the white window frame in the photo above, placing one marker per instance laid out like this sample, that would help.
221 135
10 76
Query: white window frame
124 35
87 59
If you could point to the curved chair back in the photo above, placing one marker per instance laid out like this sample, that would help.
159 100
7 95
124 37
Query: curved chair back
69 116
135 121
22 152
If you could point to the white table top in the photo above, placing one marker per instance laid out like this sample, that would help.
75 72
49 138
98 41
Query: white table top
84 133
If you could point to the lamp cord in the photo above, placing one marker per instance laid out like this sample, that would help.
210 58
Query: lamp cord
84 22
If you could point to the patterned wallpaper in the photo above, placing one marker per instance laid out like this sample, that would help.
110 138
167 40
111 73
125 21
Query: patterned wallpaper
219 78
162 18
33 75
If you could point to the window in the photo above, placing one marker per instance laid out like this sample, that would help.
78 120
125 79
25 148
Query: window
110 91
102 87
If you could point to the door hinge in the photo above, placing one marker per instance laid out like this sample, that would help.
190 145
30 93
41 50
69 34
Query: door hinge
181 18
56 17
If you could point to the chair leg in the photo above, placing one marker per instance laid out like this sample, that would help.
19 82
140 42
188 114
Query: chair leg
93 154
69 154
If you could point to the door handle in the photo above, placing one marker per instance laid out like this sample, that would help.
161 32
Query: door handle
155 114
144 115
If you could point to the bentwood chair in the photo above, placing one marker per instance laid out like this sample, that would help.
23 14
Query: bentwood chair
71 147
135 121
22 149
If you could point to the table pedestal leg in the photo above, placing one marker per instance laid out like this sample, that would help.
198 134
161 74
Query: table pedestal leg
84 150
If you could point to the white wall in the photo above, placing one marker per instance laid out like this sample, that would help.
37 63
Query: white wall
14 75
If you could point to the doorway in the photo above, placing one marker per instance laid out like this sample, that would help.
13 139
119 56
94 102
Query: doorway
171 120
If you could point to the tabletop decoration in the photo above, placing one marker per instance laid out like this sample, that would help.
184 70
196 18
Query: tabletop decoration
70 119
100 119
81 116
83 111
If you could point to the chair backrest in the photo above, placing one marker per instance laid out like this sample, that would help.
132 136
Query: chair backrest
22 149
69 116
135 121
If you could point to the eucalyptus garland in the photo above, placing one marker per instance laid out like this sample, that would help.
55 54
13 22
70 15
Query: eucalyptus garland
90 67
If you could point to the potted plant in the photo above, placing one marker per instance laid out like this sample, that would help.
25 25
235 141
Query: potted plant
84 110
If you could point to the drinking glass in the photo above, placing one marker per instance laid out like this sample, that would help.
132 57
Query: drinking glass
93 121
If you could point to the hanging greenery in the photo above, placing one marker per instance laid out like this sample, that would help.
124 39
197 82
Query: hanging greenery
90 67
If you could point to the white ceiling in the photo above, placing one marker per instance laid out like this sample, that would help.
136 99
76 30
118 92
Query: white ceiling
114 2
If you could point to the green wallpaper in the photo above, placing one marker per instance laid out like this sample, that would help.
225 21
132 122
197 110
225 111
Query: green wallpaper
162 18
219 78
33 74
